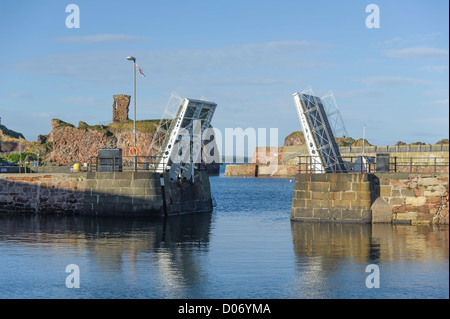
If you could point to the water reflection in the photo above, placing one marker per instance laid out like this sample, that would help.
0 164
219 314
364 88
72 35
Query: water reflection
166 249
332 257
411 242
256 255
369 243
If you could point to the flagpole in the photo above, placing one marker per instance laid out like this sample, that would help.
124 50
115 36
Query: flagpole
130 58
134 85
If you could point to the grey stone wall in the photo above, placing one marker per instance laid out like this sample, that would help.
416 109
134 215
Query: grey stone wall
416 198
188 197
102 193
332 198
123 193
378 198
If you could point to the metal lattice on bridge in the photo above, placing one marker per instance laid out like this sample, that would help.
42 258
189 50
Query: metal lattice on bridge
319 137
177 142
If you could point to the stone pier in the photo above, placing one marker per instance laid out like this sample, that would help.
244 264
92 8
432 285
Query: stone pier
332 198
413 198
103 193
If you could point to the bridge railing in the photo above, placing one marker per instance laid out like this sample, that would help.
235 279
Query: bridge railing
370 164
122 163
130 163
396 148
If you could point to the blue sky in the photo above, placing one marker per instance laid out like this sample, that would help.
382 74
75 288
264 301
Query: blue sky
247 56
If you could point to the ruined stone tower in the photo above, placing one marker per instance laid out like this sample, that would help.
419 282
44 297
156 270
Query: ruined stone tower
120 107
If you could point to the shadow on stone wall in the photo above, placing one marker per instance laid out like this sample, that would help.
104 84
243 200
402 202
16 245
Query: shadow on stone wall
108 194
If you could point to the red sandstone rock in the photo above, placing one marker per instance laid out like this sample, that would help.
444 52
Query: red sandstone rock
295 139
71 144
399 209
11 141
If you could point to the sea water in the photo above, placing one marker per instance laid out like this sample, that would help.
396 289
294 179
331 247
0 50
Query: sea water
246 248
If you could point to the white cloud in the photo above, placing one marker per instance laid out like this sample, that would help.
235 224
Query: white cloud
21 95
82 101
210 65
444 102
397 41
92 66
403 41
361 93
432 120
392 81
436 92
417 52
44 115
100 38
435 68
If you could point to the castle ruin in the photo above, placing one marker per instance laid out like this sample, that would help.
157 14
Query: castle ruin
120 107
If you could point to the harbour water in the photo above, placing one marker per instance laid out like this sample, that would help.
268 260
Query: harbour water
246 248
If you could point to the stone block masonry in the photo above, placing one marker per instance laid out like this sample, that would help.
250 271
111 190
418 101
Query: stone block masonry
120 107
123 193
250 170
378 198
108 194
416 198
260 170
49 193
332 198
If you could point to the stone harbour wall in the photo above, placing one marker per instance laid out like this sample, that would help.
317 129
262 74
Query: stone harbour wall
243 170
108 194
260 170
55 193
123 193
417 198
410 198
332 198
188 197
424 157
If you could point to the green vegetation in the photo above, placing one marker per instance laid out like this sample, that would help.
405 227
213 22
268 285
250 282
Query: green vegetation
15 157
98 128
145 126
344 141
42 149
359 142
62 123
10 133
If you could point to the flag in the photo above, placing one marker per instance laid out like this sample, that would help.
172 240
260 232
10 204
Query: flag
140 70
